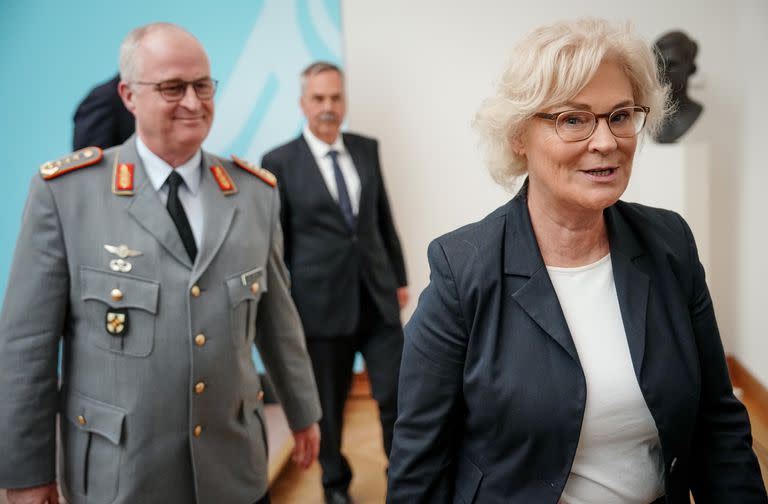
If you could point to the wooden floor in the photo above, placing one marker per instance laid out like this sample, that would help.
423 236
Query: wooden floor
361 445
363 448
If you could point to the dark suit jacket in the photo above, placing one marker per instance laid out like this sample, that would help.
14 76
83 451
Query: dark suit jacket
101 119
491 391
327 261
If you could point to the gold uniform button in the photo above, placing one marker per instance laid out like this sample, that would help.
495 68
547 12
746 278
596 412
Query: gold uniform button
261 395
199 387
200 339
116 294
195 291
81 420
198 430
255 287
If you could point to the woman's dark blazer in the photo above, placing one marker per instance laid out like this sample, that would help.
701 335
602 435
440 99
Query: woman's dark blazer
491 390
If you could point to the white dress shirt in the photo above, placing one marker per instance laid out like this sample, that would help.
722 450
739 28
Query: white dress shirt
158 170
320 151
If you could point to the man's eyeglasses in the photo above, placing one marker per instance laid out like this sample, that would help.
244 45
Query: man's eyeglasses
174 90
577 125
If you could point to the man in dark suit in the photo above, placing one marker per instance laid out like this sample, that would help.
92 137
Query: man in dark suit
346 265
101 119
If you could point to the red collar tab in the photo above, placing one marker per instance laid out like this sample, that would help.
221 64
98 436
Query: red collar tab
122 179
223 179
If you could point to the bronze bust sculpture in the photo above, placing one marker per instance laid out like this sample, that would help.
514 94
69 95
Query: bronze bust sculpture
676 52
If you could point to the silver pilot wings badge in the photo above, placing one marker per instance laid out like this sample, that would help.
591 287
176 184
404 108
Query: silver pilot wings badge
122 252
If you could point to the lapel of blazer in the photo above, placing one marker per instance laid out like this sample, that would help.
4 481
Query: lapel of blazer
218 213
362 166
632 284
312 171
522 258
146 207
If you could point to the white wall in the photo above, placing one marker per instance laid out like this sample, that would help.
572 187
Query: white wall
417 71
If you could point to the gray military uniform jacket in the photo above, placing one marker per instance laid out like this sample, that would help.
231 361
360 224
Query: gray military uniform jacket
159 402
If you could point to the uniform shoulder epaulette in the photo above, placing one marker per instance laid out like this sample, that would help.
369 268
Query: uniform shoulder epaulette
263 174
78 159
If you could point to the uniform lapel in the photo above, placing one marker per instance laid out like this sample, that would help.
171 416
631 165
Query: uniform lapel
535 293
632 285
147 209
218 213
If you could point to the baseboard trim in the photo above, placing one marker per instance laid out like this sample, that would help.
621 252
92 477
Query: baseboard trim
750 386
361 386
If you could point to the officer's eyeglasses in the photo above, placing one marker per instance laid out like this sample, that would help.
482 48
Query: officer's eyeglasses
577 125
174 90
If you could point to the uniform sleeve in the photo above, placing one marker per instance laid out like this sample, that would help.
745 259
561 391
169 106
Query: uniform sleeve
280 340
387 227
724 467
430 392
31 324
273 166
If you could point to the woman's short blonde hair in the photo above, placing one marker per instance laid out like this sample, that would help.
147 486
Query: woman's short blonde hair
550 66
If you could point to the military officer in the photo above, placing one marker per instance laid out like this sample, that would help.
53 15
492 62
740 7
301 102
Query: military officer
157 265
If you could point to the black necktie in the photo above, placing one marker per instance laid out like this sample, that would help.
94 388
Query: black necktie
179 216
344 202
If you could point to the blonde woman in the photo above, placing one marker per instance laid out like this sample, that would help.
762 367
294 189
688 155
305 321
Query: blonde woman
566 349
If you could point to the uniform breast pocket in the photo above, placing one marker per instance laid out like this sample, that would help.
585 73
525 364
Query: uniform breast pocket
120 311
91 434
245 290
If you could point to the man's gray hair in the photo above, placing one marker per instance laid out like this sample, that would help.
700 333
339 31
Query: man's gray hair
130 64
318 67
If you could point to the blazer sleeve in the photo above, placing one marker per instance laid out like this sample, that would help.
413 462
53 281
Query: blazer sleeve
31 325
724 468
280 340
430 397
387 226
96 119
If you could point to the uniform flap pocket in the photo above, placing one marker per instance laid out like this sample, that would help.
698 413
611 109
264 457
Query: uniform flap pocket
246 285
253 405
94 416
119 291
468 479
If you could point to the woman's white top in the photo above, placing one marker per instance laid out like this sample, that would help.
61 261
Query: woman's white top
618 459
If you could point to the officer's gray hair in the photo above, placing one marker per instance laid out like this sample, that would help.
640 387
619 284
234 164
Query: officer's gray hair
129 61
318 67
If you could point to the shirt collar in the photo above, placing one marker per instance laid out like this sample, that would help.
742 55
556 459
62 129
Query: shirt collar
319 148
158 170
